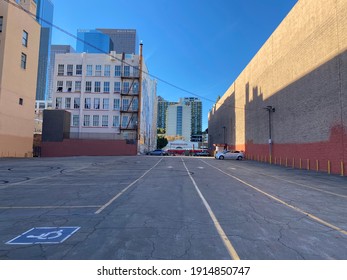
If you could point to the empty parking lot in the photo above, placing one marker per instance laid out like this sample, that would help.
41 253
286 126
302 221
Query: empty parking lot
147 207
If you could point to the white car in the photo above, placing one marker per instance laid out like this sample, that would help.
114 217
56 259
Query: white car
230 155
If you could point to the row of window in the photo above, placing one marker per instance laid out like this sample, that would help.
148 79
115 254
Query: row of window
94 121
96 103
98 86
98 70
23 61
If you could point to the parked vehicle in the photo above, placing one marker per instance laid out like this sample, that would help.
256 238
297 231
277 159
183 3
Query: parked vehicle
230 155
204 153
158 152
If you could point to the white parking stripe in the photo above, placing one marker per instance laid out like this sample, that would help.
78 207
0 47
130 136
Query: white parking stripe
313 217
231 250
125 189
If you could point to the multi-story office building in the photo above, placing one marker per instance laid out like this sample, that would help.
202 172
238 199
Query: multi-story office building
162 107
106 40
122 40
92 41
44 16
105 98
178 121
19 51
195 106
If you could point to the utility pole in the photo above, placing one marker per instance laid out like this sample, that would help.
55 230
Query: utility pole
271 110
139 102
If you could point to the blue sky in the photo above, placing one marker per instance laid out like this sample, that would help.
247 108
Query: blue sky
200 46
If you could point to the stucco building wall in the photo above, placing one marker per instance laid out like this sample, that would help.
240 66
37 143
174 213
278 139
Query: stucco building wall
301 71
17 118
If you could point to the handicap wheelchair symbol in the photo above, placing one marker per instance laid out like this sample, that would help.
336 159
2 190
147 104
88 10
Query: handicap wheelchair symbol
48 235
44 235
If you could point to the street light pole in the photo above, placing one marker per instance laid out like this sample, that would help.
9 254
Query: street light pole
271 110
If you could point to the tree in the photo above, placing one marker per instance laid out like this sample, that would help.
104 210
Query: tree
161 142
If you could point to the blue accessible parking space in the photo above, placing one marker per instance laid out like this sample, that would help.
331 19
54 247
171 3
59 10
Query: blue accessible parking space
44 235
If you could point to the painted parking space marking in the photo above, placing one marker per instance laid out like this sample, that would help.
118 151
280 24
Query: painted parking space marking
311 216
229 247
43 235
50 207
102 208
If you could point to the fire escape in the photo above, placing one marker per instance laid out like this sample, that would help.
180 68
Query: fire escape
129 98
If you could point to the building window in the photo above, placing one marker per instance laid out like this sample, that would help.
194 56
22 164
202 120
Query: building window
89 70
87 103
126 71
69 70
125 104
60 85
25 38
78 86
97 87
107 71
95 120
76 103
58 102
107 87
78 69
88 86
117 71
104 122
97 103
61 70
105 103
67 102
116 86
23 63
179 120
135 104
1 20
69 86
86 120
116 104
21 101
126 87
115 121
75 120
125 121
98 70
136 87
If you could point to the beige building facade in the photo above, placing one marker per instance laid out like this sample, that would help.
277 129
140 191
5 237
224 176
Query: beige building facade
289 105
19 45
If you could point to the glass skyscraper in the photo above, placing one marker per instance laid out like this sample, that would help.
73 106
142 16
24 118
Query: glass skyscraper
44 17
92 41
122 40
106 40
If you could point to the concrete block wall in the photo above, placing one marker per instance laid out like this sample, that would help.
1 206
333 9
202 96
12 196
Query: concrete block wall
301 71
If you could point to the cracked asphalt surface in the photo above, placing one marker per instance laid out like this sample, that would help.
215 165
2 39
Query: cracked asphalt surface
145 207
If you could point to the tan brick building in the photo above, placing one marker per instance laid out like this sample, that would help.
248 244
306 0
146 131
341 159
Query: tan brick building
301 71
19 46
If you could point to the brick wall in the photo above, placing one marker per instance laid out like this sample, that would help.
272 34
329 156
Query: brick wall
78 147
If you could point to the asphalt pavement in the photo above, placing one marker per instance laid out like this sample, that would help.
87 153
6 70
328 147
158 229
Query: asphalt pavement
168 208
